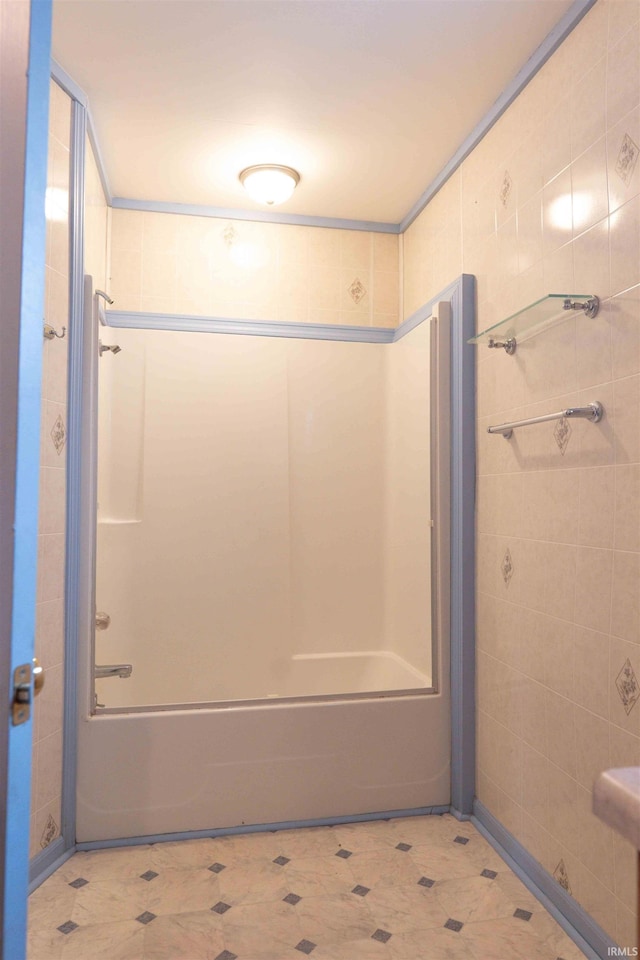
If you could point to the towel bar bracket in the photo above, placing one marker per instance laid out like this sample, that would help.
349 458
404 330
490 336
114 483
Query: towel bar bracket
592 411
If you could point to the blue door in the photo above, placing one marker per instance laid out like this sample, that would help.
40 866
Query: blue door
16 840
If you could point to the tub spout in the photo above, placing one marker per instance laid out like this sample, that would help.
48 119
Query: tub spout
122 670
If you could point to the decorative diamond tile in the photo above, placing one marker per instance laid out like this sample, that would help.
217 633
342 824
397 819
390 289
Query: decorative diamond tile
292 898
360 890
455 925
627 158
403 846
345 854
221 907
49 833
68 927
281 861
461 840
426 882
146 917
505 189
149 875
229 235
561 875
506 567
79 882
491 874
226 955
627 684
382 935
58 434
562 433
523 914
357 291
305 946
217 867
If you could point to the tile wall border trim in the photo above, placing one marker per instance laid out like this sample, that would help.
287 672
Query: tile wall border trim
254 328
257 216
594 942
198 323
47 861
547 48
264 827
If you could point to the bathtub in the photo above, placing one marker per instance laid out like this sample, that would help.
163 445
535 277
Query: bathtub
303 675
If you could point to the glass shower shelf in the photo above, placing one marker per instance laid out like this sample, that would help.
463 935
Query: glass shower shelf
536 317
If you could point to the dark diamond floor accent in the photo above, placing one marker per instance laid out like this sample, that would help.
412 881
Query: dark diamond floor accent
80 882
344 854
226 955
455 925
523 914
360 890
221 907
146 917
491 874
381 935
292 898
305 946
217 867
403 846
68 927
426 882
149 875
461 840
281 861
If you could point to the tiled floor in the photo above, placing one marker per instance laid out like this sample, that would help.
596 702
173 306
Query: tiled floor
421 888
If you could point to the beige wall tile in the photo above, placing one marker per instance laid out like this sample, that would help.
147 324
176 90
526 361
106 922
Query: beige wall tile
593 588
596 497
623 315
626 412
591 667
588 108
624 227
625 605
623 169
623 75
627 507
592 746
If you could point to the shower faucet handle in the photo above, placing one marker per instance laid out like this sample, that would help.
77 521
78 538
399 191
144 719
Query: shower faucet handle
102 620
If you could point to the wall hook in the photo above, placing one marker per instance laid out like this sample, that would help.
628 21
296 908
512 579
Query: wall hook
50 332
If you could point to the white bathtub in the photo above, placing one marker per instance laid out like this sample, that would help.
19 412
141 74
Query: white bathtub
303 675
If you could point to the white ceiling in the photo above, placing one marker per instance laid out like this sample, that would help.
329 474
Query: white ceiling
367 99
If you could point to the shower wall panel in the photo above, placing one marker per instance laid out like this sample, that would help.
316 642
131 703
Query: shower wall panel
550 202
337 476
407 498
242 525
172 263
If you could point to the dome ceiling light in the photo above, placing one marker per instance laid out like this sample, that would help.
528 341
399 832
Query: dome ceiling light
269 183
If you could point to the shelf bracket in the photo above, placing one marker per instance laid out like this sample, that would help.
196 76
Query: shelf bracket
509 346
590 307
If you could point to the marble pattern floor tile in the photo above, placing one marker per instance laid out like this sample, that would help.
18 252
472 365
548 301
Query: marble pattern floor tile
258 923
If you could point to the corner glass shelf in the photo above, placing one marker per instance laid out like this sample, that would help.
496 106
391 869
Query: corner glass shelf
536 317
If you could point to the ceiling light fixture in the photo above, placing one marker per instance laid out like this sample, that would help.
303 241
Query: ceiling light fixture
269 183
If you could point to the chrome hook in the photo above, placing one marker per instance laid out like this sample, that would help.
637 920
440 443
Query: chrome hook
50 332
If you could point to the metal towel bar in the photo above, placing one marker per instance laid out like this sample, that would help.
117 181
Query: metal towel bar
593 412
